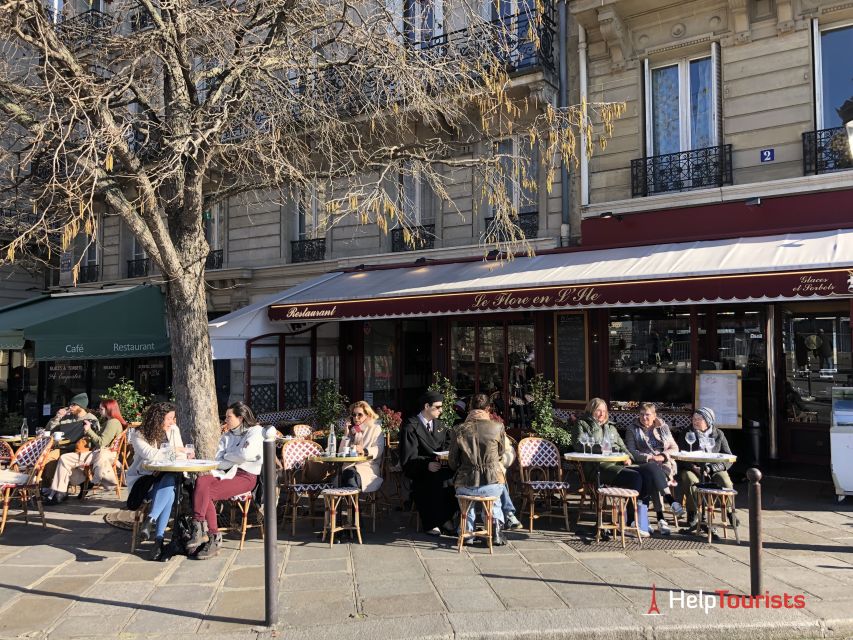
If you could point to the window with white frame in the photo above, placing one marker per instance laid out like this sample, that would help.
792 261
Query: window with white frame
413 197
310 214
90 255
213 226
423 20
682 104
519 156
833 73
137 252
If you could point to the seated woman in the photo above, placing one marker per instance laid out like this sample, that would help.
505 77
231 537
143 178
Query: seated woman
651 446
71 468
240 456
703 426
476 448
596 424
364 433
158 427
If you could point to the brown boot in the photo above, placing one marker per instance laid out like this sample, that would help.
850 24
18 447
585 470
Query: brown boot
199 536
210 548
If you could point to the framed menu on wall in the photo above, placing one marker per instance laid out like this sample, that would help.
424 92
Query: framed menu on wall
570 354
721 391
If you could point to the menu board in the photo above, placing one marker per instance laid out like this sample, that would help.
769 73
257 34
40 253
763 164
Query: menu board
721 391
571 357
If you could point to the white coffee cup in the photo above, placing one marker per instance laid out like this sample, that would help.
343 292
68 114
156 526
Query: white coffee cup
58 435
345 451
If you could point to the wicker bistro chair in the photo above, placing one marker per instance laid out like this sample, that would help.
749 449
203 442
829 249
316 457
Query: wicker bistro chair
294 455
303 431
615 500
713 500
244 503
540 458
118 446
23 478
335 498
7 454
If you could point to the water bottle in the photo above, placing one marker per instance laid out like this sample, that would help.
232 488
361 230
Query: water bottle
332 448
606 445
25 431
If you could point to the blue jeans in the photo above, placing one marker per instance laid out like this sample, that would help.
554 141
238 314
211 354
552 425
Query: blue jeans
486 491
506 502
162 495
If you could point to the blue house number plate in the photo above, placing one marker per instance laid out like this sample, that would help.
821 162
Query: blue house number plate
768 155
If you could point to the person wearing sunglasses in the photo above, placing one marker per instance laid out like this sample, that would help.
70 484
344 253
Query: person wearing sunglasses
364 433
421 437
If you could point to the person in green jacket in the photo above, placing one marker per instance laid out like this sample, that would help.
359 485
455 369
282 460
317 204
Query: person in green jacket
71 468
596 423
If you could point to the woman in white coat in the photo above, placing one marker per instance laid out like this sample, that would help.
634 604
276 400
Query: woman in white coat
364 433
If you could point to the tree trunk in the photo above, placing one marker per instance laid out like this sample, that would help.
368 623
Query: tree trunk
192 363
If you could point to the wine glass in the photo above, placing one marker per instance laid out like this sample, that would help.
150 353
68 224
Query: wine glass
691 439
584 440
190 447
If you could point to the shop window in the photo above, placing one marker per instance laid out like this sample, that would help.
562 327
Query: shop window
817 358
650 357
380 346
463 350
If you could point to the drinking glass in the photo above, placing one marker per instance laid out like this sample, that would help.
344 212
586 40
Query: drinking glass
166 451
691 439
190 447
606 447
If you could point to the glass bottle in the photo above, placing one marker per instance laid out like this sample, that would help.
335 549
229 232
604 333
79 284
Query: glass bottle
25 431
332 447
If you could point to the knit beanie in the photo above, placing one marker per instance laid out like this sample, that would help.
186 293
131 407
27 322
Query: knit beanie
708 414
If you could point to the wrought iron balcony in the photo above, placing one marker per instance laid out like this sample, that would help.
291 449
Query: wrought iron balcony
683 171
88 273
85 28
423 237
308 250
141 20
528 223
138 268
826 150
214 260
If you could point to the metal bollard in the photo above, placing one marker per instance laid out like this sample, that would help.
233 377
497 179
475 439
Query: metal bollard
754 476
270 530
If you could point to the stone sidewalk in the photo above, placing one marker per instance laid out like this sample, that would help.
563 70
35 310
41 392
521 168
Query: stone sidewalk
78 579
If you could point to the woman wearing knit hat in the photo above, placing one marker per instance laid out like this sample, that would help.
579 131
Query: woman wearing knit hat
691 474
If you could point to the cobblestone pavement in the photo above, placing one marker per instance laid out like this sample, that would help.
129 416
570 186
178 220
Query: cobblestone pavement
77 578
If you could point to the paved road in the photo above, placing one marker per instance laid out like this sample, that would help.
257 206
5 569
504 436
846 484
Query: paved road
78 579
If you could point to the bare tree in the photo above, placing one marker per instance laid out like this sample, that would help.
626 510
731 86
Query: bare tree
162 107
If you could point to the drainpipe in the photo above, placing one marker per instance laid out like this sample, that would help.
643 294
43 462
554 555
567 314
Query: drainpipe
563 51
584 161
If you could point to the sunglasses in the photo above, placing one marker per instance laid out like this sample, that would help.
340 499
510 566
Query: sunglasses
437 406
356 415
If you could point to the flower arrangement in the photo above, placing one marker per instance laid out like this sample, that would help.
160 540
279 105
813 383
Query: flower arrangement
390 419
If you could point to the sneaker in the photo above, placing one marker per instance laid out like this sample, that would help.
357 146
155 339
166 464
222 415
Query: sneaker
663 528
512 522
632 530
435 531
676 508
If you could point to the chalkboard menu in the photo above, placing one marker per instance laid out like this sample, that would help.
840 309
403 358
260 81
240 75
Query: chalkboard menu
571 357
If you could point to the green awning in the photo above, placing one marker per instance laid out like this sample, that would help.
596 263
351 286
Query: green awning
130 323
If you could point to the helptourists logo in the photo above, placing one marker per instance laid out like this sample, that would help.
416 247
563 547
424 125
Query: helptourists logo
723 599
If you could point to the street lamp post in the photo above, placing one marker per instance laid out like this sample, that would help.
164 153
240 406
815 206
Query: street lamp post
846 113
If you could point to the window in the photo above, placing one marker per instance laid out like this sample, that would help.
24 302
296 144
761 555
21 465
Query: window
412 199
213 226
682 104
310 215
834 73
520 161
422 20
90 255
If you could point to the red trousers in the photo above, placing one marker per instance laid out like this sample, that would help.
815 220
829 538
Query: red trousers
209 489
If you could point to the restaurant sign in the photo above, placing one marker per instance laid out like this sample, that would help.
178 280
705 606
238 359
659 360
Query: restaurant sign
705 289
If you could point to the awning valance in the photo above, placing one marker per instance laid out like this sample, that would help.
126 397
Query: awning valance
804 266
128 323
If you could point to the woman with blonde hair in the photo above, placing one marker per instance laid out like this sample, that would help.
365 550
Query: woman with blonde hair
365 435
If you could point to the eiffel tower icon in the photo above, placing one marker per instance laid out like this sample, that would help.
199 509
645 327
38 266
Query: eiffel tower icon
653 607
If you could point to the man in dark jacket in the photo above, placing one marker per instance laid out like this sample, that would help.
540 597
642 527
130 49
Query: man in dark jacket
421 437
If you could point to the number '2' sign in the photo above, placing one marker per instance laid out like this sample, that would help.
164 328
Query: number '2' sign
768 155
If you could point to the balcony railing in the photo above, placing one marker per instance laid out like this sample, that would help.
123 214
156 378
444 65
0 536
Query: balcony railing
88 273
528 223
141 20
85 28
138 268
308 250
683 171
826 150
423 237
214 260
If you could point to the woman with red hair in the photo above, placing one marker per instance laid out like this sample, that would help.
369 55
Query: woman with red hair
71 468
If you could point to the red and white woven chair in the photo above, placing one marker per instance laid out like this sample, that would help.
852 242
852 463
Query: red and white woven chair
6 454
23 478
542 478
116 449
244 502
302 431
294 455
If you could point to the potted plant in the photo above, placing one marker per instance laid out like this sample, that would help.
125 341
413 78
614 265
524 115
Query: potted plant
542 413
390 421
131 403
448 408
330 405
